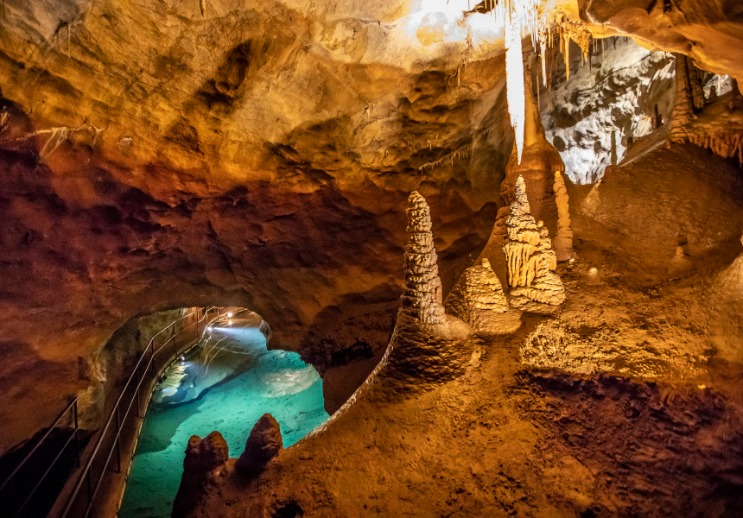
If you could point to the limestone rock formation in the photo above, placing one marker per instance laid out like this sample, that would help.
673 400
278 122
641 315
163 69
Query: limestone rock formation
538 163
601 100
563 242
720 131
263 444
683 106
530 260
479 300
203 459
427 346
421 298
680 262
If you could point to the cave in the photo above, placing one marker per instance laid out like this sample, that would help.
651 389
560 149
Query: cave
497 246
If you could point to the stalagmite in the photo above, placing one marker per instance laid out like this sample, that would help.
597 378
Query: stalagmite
427 346
263 444
204 458
530 259
563 242
421 299
479 300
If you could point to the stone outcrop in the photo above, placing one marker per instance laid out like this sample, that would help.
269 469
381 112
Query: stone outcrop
427 346
563 242
479 300
204 458
263 444
530 260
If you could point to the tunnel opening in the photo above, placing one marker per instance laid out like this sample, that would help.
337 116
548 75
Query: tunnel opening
225 381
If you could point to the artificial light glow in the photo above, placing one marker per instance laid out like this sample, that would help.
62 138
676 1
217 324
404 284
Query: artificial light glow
229 314
438 21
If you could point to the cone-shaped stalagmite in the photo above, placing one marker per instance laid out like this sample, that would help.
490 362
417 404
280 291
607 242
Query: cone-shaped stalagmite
530 259
421 299
263 444
478 299
563 242
427 346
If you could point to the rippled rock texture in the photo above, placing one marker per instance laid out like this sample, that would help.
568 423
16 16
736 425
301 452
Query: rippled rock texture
427 346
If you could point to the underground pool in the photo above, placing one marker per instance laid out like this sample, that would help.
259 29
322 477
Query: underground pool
225 383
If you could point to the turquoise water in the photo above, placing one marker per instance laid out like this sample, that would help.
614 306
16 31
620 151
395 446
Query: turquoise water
226 385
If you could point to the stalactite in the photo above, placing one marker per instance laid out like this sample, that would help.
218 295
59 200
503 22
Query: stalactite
515 79
543 56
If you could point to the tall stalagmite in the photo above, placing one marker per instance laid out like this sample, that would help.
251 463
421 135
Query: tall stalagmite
421 299
427 346
530 259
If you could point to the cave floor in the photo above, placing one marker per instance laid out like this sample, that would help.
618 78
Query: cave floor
649 430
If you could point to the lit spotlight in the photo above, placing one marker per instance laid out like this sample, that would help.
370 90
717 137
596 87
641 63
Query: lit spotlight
229 314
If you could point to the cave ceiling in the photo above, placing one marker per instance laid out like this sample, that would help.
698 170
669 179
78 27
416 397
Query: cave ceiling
224 90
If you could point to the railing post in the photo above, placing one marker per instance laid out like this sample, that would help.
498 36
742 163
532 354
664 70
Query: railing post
90 489
118 439
76 434
152 358
139 400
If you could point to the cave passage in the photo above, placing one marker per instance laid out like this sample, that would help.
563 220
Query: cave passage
225 383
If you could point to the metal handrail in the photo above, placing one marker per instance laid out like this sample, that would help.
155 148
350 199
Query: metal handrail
71 407
116 414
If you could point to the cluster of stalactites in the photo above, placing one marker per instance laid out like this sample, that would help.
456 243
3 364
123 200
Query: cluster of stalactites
421 299
526 16
726 142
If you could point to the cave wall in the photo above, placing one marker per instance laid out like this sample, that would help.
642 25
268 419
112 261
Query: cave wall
615 91
158 155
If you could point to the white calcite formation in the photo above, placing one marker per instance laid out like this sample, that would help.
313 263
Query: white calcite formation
563 241
530 260
479 300
421 299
